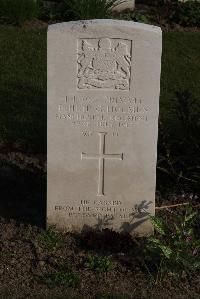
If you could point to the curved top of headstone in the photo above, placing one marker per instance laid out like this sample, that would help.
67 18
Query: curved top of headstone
103 105
108 22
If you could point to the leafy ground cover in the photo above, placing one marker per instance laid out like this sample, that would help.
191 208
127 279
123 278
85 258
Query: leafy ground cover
46 264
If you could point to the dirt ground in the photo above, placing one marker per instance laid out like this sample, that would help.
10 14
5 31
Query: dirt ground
24 261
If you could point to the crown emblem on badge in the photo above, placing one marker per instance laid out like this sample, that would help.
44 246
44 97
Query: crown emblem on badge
104 64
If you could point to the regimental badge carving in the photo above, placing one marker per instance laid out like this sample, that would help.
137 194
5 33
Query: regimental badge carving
104 64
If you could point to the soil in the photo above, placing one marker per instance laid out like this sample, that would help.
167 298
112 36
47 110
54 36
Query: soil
23 263
24 260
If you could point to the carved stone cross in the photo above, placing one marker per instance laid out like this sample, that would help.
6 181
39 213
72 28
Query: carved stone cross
101 156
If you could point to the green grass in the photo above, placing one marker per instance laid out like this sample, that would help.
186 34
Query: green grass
23 82
17 11
23 88
180 67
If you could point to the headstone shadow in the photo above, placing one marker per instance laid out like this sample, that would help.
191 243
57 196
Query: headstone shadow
137 218
101 237
24 112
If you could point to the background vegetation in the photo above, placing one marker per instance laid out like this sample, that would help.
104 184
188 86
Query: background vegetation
161 12
17 11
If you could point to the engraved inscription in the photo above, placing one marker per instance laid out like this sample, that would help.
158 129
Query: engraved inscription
106 209
101 156
104 63
103 112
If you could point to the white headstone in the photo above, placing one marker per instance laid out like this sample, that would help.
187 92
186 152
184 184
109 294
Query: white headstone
103 105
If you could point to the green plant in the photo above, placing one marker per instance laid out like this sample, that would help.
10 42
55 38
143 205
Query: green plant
142 17
48 11
4 254
17 11
186 13
176 249
50 239
64 276
86 9
99 263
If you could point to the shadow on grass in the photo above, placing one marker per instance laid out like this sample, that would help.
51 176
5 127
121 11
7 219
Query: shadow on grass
22 195
23 117
23 89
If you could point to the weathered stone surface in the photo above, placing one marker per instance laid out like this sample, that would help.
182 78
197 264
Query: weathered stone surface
103 103
124 5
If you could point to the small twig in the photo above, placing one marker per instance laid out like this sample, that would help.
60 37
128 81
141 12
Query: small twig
176 205
172 206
